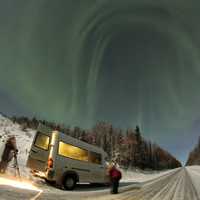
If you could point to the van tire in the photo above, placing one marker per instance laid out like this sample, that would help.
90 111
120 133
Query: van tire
69 182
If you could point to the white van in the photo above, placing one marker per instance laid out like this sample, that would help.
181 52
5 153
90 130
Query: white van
66 160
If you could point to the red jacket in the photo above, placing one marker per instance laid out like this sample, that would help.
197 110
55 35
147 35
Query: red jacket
115 173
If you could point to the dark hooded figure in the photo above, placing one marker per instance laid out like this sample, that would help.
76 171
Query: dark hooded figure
9 152
115 176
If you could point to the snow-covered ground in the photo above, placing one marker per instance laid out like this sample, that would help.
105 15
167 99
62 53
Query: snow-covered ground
194 173
141 176
24 140
177 184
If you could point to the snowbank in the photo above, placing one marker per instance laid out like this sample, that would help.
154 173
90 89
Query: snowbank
24 140
136 175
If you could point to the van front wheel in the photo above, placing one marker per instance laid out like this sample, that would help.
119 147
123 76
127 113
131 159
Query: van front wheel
69 183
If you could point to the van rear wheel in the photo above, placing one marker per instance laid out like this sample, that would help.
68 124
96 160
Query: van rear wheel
69 182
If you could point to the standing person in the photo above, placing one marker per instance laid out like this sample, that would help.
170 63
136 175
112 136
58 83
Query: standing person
9 152
115 176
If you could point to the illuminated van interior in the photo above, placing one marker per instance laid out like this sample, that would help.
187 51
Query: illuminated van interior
42 141
73 152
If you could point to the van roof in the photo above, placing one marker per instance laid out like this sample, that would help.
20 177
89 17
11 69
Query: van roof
66 138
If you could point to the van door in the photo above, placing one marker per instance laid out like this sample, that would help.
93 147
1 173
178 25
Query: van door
98 173
97 167
39 152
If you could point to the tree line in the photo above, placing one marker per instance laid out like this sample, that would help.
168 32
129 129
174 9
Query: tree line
128 148
194 155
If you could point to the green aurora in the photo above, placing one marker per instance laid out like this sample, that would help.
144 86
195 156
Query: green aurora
123 61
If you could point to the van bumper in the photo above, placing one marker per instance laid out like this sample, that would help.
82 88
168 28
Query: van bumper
35 164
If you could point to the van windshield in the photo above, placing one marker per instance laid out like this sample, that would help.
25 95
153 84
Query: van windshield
42 141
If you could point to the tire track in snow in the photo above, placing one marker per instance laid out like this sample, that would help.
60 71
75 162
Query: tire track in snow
180 188
150 188
192 194
163 193
155 188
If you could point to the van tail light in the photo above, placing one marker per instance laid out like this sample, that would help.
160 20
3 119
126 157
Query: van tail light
50 163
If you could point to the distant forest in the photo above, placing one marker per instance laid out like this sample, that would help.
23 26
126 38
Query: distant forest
194 156
128 147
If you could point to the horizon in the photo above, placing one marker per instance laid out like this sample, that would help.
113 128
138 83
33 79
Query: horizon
127 62
183 161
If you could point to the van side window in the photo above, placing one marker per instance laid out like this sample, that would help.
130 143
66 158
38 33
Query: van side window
95 158
73 152
42 141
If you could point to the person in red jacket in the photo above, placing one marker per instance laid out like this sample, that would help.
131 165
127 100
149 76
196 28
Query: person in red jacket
115 176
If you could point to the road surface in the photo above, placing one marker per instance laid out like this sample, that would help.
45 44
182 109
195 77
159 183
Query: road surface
178 184
181 184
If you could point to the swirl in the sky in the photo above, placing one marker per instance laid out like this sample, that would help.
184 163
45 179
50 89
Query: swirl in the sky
127 62
108 22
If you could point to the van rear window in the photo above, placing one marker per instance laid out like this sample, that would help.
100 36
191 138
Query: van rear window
42 141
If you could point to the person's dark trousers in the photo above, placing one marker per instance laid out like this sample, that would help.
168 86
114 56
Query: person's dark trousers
3 166
114 186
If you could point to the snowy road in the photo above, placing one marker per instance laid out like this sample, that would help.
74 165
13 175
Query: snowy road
179 184
182 184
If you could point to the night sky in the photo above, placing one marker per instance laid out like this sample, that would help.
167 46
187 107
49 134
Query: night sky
127 62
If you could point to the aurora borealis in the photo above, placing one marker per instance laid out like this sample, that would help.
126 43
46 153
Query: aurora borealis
124 61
